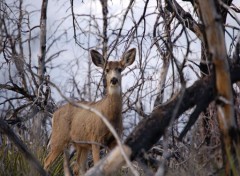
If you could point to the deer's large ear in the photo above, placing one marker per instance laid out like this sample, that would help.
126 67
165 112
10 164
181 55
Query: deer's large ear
97 58
128 57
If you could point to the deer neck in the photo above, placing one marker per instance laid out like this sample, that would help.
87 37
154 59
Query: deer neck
114 100
113 105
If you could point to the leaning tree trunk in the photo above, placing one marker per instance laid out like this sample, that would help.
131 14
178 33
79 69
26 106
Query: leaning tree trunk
217 49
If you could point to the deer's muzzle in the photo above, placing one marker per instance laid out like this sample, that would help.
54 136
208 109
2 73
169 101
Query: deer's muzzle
114 81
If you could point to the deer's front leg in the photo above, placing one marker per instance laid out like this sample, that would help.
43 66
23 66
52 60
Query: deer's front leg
96 153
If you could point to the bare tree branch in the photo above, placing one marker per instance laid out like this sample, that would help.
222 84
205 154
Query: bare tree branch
185 18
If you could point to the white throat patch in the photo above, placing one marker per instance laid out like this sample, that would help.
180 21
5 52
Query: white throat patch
114 90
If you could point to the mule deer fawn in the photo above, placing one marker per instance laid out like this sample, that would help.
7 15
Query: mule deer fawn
71 123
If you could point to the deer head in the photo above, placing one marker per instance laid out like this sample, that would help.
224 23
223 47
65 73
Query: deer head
113 69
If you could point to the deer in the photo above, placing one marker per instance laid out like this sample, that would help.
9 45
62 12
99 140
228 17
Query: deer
71 123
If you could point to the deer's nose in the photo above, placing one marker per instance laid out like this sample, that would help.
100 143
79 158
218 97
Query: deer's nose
114 81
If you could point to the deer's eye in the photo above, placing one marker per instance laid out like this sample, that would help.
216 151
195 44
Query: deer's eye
107 70
119 70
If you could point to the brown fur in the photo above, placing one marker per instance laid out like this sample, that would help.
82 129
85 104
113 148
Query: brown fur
73 124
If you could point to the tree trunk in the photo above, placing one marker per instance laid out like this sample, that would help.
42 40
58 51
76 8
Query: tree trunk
216 46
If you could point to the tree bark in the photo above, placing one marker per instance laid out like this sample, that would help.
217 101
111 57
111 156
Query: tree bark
104 4
43 35
216 46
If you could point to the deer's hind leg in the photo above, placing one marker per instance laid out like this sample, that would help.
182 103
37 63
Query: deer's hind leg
59 138
53 154
80 165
